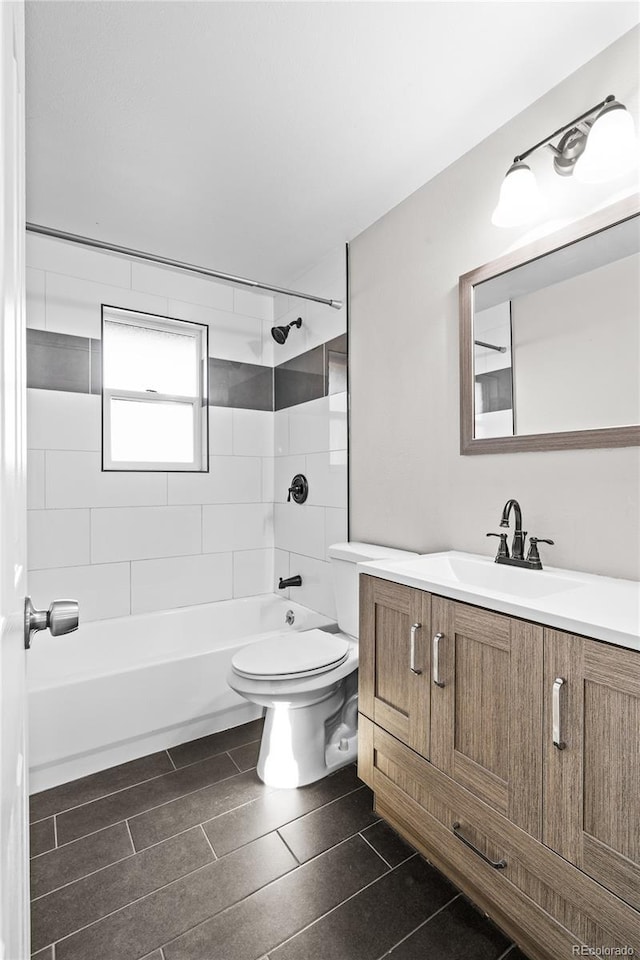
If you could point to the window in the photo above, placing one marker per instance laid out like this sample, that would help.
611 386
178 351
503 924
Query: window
154 392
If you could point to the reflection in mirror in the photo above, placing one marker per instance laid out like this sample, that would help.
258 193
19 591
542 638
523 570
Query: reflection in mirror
551 341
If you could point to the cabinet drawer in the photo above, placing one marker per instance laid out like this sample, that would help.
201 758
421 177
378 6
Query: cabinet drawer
522 896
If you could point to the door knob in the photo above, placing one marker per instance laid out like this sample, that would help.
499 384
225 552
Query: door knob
61 617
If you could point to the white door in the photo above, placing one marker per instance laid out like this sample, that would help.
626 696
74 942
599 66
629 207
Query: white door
14 901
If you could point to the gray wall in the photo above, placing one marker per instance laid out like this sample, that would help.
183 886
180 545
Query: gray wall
409 485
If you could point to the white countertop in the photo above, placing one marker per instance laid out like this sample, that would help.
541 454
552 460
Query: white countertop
599 607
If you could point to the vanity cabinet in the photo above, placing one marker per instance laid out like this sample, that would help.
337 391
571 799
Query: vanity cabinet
592 781
394 688
461 757
487 664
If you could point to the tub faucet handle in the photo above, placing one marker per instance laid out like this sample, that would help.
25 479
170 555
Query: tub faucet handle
62 617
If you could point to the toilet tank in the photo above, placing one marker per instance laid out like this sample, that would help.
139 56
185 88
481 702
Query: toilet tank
344 558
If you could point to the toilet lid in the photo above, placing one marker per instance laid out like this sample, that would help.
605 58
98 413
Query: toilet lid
291 655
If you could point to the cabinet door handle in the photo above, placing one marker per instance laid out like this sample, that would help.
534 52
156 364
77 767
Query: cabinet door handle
496 864
435 660
412 662
558 684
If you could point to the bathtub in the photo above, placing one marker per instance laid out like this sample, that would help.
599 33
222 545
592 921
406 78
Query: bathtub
120 689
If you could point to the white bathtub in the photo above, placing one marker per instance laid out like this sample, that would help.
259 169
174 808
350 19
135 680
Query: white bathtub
120 689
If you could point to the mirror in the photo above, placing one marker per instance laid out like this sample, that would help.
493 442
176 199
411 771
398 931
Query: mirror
550 341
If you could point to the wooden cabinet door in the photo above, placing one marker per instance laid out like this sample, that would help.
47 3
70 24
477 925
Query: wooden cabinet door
394 660
486 707
592 784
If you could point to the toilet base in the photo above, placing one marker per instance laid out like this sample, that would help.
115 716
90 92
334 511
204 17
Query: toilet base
303 744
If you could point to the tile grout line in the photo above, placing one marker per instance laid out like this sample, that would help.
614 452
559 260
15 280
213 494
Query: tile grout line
55 832
130 835
132 785
171 761
301 866
419 927
378 852
215 855
129 856
143 812
125 906
337 906
234 763
298 862
505 955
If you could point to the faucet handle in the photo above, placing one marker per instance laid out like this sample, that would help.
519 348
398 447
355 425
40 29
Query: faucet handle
533 555
503 549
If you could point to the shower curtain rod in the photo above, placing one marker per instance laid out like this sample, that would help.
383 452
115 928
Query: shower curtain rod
177 264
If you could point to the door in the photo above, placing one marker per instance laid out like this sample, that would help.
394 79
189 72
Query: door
14 939
592 759
486 707
394 660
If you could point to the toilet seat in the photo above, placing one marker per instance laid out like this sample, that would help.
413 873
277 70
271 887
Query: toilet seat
291 656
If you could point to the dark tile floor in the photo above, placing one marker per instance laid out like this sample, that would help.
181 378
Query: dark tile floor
186 855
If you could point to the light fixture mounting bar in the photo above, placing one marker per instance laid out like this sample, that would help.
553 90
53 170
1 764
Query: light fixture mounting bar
567 126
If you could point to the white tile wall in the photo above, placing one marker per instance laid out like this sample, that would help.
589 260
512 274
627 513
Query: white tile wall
311 438
57 420
101 589
230 480
253 433
220 431
140 533
232 336
253 304
55 256
75 479
329 472
180 581
35 479
237 527
128 543
300 529
73 305
177 285
317 588
58 538
252 572
35 297
309 426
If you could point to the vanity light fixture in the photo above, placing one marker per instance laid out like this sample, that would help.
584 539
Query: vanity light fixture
599 145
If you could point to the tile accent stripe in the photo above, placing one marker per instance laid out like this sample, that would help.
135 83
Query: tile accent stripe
59 361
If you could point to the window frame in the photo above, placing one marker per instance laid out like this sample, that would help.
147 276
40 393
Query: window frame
199 403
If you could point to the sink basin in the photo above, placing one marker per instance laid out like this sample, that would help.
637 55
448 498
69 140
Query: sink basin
486 575
583 603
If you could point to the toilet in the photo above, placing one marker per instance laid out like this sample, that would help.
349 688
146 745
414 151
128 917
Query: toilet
308 683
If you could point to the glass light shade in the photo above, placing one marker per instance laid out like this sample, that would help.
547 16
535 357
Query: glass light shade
520 201
612 147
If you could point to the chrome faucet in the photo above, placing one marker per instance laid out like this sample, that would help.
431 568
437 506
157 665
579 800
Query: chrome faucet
516 558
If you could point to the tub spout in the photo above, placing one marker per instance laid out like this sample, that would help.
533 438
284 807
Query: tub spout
290 582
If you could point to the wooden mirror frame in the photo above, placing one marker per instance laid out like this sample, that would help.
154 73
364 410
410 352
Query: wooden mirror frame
627 436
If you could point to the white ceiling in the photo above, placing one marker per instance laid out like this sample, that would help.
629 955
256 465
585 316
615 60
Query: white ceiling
254 137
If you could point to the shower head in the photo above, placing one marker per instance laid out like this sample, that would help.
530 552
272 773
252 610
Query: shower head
280 334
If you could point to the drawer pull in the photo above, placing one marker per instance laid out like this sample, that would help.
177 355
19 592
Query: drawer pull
412 664
558 684
496 864
435 660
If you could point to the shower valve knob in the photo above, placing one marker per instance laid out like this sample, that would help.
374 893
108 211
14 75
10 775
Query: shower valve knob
299 489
